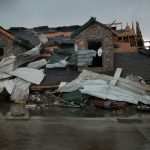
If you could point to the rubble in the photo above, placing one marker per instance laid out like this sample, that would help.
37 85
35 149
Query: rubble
28 74
61 102
142 107
19 87
114 93
116 89
107 104
108 92
75 97
20 90
136 78
37 64
60 64
58 82
85 57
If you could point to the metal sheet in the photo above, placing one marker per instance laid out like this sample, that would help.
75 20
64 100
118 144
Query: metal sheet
85 57
125 83
4 75
72 86
28 56
9 85
1 86
43 39
20 90
7 64
60 64
29 74
37 64
10 63
114 93
87 52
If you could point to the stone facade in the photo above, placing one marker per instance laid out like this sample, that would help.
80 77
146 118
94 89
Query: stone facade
9 46
98 33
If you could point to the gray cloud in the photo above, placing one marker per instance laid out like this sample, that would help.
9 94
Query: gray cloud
31 13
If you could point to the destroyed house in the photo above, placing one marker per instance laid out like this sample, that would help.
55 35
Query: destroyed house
127 39
56 31
58 38
94 35
11 45
25 34
58 42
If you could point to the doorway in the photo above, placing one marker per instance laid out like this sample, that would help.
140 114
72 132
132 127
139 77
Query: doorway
97 61
1 51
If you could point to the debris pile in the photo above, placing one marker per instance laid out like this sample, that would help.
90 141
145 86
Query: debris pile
85 57
25 74
107 91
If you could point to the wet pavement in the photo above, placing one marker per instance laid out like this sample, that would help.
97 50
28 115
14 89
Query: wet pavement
57 128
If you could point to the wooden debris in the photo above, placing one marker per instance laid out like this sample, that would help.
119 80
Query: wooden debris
116 77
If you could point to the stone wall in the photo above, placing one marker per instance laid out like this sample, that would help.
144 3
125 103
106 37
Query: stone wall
98 33
9 46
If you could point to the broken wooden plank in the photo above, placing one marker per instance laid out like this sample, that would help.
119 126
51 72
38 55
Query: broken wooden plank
35 87
116 76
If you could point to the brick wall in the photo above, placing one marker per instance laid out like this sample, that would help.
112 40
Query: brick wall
98 33
9 46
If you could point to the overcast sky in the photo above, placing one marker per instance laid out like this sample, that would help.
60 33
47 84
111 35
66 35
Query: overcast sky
30 13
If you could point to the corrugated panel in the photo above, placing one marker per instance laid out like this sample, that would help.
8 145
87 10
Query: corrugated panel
7 64
20 90
29 74
9 85
114 93
1 86
37 64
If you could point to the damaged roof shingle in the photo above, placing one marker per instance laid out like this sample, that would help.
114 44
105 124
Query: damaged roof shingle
27 35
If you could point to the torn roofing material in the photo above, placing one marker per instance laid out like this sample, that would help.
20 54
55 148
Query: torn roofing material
98 85
6 65
63 54
10 63
20 90
59 41
27 35
29 74
16 40
85 57
9 85
60 64
114 93
37 64
28 56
